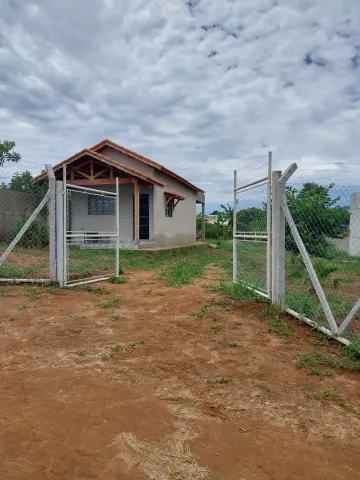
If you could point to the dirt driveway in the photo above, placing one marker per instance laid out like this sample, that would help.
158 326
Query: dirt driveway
147 381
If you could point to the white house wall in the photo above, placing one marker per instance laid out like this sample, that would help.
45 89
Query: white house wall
126 160
180 229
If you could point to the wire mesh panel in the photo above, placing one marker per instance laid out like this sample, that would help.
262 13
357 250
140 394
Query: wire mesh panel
19 201
328 220
91 235
251 236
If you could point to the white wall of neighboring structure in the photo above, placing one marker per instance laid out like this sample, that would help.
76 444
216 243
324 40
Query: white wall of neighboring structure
354 239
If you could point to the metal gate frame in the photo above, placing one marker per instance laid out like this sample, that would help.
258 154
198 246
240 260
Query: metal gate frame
278 213
98 235
263 236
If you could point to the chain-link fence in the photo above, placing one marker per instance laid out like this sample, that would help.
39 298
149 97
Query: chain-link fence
300 245
251 235
327 217
91 234
29 259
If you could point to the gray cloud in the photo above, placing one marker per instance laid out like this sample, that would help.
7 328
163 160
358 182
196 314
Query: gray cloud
201 86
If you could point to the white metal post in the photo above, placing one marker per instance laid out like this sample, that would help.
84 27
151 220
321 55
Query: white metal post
234 230
275 226
117 243
280 261
52 222
268 227
59 233
64 226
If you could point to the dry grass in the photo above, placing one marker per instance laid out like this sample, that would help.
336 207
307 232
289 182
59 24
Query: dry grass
165 460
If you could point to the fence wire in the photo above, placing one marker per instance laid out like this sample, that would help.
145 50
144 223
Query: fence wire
91 235
328 220
251 220
30 257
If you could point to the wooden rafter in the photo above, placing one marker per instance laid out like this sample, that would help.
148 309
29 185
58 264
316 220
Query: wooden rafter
102 181
97 175
83 174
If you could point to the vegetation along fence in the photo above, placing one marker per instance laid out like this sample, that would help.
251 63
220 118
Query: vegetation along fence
299 246
27 229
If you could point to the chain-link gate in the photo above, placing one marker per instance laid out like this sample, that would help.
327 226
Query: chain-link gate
91 234
252 234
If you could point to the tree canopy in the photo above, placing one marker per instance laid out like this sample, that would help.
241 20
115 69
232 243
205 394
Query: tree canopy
7 153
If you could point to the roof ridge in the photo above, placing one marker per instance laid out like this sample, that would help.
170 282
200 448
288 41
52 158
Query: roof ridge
144 159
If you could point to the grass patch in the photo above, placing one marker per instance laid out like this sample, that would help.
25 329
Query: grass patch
101 290
276 323
345 361
205 312
111 303
21 308
115 317
33 294
54 290
351 409
9 270
237 292
227 342
319 373
13 318
3 294
116 279
321 394
223 381
115 349
80 353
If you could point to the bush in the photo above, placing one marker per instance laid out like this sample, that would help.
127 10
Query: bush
36 236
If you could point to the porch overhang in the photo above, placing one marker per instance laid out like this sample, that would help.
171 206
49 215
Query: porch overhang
168 196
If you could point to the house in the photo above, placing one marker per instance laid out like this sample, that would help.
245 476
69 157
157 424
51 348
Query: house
157 207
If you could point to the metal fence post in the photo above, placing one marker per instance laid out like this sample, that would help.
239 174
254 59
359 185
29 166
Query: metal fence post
65 212
52 222
234 230
117 223
268 228
59 233
275 237
280 263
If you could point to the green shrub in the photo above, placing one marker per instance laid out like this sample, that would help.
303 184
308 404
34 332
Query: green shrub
36 236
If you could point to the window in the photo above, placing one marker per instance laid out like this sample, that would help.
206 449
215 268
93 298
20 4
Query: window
98 205
169 208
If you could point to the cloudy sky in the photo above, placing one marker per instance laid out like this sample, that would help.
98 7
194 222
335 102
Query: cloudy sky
202 86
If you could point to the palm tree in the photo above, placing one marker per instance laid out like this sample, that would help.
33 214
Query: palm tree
228 214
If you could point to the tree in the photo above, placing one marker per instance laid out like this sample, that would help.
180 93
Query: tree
316 215
251 220
228 214
21 182
7 153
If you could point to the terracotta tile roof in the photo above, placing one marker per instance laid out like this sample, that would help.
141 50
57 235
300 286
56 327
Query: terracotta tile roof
100 157
143 159
175 195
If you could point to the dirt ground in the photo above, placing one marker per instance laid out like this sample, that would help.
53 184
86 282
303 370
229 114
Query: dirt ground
163 383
